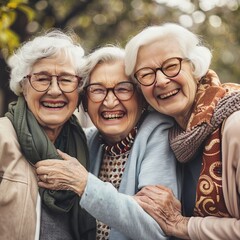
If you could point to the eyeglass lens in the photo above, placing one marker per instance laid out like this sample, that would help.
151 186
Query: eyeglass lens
41 82
170 68
97 92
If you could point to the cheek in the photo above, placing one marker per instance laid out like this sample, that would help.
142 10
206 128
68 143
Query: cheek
93 110
30 98
134 110
148 93
72 99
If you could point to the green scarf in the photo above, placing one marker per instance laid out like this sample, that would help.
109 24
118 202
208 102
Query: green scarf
36 146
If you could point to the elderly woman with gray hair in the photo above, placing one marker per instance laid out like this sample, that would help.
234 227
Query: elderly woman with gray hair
128 150
171 66
45 79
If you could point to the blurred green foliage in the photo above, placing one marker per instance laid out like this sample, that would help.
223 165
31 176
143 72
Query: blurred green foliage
9 40
114 21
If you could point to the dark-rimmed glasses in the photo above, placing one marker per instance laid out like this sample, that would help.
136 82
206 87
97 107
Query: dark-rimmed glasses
97 92
171 67
41 82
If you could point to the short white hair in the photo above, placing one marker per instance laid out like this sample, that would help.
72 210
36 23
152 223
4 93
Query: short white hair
190 45
50 44
107 54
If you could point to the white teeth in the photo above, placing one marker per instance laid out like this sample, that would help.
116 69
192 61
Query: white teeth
168 94
53 105
112 116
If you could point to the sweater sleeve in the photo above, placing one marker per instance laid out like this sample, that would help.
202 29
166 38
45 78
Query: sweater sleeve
150 162
120 211
224 228
213 228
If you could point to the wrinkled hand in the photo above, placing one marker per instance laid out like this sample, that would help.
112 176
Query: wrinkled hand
161 204
67 174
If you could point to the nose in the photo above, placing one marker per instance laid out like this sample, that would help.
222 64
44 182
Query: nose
161 79
110 100
54 89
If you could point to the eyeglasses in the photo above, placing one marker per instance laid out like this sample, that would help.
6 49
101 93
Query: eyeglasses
171 67
41 82
97 92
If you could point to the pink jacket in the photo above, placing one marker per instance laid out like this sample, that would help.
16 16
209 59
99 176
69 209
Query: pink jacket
18 189
224 228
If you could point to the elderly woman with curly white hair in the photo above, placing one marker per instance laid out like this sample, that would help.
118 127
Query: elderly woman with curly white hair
44 77
171 66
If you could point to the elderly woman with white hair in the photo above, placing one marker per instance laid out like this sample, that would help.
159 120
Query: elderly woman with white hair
44 77
128 148
171 66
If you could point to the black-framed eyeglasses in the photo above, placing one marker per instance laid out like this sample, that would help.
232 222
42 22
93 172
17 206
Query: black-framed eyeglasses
98 92
171 67
41 82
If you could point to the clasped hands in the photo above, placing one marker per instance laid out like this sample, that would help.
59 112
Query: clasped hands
66 174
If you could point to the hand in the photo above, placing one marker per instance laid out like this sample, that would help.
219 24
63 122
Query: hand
160 202
66 174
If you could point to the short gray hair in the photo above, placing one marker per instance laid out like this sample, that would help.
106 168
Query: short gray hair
49 44
107 54
190 45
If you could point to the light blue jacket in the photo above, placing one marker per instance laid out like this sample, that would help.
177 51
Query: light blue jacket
150 162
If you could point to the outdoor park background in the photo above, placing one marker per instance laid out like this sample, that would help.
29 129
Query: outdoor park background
100 22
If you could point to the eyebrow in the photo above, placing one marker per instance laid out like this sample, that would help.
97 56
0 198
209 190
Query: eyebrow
48 73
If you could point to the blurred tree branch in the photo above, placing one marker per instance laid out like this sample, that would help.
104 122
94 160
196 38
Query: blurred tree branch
115 21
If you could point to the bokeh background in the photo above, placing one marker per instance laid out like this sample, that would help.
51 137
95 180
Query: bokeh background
100 22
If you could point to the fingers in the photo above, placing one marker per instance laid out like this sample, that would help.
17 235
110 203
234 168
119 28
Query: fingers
142 199
163 188
49 182
45 178
155 190
53 185
42 169
50 162
45 163
63 155
150 191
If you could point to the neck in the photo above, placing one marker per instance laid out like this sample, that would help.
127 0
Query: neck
52 133
183 120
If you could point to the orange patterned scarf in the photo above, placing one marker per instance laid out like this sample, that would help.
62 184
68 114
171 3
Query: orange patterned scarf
214 102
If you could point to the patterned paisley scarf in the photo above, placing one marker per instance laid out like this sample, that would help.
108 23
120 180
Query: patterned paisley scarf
213 104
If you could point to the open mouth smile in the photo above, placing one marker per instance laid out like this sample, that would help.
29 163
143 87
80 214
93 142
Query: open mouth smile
53 105
111 115
169 94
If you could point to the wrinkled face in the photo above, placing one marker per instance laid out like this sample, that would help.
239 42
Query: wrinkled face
114 118
51 108
171 96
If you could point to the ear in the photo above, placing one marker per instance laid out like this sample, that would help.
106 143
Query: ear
23 87
83 99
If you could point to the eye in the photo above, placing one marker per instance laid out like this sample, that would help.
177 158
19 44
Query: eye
170 67
42 78
124 87
96 90
145 73
66 78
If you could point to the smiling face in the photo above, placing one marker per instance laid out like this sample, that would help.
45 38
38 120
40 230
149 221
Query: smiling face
113 118
51 108
171 96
